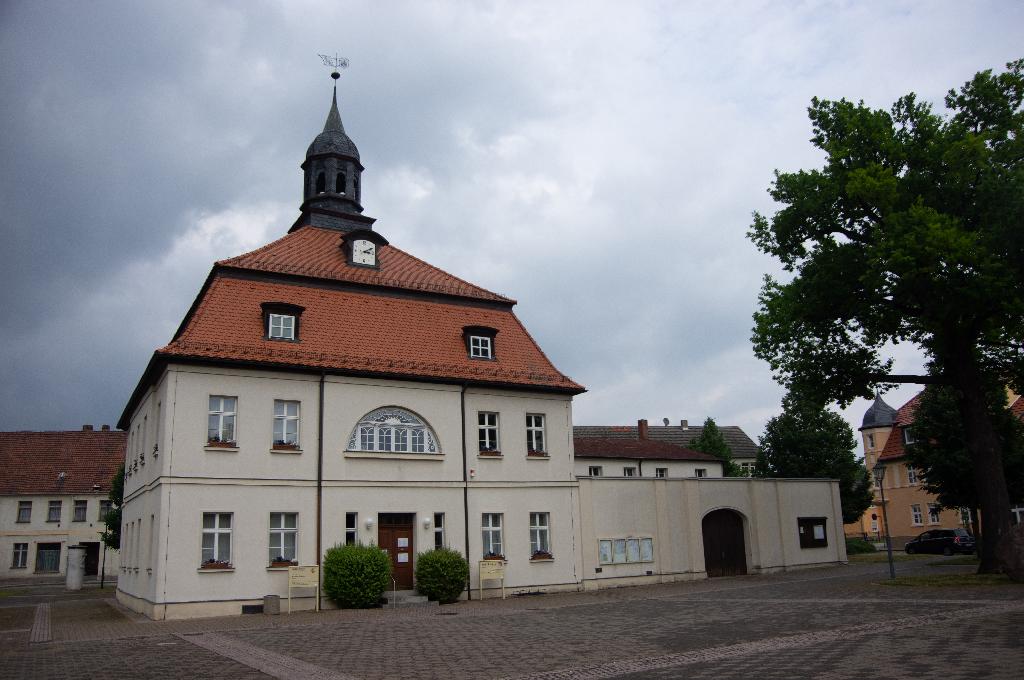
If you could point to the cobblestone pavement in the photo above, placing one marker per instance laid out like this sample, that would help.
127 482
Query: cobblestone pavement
832 623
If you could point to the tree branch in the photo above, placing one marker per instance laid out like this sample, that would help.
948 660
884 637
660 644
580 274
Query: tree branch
909 378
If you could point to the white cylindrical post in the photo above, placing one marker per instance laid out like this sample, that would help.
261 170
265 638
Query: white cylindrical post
76 567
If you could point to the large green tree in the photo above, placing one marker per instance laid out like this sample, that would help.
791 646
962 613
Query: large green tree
808 441
940 455
910 232
710 440
112 532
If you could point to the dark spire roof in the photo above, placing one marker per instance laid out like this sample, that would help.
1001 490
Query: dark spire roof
333 139
879 415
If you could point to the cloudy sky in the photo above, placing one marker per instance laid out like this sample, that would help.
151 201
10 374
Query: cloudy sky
599 162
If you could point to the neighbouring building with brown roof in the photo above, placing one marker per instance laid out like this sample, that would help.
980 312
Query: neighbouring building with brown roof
331 388
885 432
744 450
54 489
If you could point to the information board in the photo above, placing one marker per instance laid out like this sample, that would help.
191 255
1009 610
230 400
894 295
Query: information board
492 570
303 577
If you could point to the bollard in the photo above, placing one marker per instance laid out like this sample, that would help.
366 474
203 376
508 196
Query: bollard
272 604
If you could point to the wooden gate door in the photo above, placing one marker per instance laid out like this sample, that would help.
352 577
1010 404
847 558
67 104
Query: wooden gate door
724 550
394 534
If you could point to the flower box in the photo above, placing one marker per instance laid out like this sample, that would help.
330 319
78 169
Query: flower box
215 564
537 454
494 556
281 446
542 555
490 452
221 444
283 563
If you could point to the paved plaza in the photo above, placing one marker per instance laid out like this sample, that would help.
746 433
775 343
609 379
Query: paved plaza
822 623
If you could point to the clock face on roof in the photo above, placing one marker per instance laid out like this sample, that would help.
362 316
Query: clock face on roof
364 252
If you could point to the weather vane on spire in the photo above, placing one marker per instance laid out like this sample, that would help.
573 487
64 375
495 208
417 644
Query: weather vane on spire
336 63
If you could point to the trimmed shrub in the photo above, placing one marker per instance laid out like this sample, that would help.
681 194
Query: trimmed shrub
441 574
856 546
355 576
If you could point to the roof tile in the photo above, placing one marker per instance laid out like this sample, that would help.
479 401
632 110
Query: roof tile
32 461
363 331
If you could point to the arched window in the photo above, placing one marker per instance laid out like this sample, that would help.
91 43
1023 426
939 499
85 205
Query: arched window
339 183
393 430
321 183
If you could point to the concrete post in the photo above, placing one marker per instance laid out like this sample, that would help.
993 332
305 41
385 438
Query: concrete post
76 567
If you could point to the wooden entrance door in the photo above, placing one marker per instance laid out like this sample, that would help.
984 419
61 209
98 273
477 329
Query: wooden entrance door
92 558
394 534
724 550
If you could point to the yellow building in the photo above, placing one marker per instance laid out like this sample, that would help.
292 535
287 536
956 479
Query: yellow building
911 509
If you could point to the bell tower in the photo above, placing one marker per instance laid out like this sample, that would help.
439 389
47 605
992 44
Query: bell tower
332 173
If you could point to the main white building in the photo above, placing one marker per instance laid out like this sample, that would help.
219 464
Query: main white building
330 387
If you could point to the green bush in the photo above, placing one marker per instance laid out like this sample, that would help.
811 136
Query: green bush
355 576
441 574
857 546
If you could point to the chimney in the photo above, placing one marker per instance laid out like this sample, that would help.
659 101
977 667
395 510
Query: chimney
685 424
641 429
86 428
105 428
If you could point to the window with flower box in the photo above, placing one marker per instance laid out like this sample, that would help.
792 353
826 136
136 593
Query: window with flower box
221 421
487 429
283 535
216 551
490 526
540 536
286 424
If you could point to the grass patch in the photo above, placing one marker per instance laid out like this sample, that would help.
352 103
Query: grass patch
951 580
881 556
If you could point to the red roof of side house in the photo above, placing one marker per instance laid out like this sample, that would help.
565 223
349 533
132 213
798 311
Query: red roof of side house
1017 407
316 253
904 416
33 461
645 449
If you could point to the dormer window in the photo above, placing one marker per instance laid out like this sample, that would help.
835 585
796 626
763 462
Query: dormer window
480 347
281 321
480 341
908 436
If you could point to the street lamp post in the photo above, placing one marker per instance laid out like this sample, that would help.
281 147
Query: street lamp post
879 472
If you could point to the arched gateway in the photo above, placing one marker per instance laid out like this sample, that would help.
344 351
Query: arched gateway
724 551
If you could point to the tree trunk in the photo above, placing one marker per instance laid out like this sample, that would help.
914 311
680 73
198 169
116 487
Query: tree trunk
986 455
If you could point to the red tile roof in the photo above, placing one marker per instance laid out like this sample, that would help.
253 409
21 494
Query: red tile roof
904 416
32 461
316 253
365 332
645 449
1017 407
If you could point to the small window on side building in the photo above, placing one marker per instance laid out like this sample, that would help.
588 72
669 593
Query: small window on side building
595 471
80 510
24 511
661 472
702 472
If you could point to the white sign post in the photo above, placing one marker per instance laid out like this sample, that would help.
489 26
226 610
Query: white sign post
492 570
303 577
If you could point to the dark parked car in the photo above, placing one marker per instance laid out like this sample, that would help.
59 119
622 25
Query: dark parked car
944 541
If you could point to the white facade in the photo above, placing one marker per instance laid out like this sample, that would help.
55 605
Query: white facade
173 472
183 478
38 547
